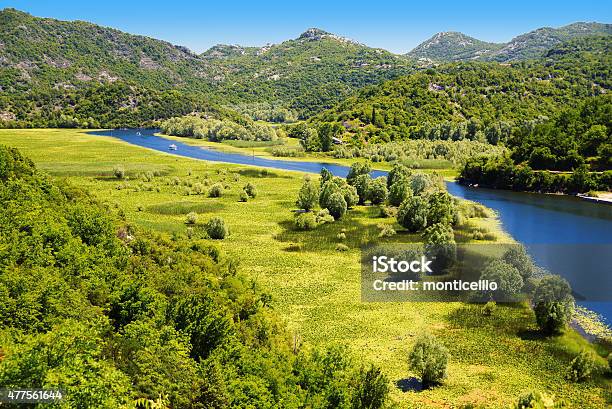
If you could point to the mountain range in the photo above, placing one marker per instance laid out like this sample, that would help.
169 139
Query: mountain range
51 70
454 46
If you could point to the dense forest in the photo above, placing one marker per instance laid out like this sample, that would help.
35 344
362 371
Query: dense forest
119 316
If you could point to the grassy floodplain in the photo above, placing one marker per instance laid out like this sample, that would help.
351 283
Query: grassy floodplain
316 288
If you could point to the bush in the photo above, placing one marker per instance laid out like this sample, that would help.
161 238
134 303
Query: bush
244 197
306 221
119 172
610 361
581 367
341 247
216 190
386 230
377 190
308 195
429 359
337 205
250 190
489 308
192 218
216 228
387 211
198 188
412 214
350 195
372 389
536 400
324 217
341 236
553 304
397 173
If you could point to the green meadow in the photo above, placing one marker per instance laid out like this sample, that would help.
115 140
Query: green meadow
316 288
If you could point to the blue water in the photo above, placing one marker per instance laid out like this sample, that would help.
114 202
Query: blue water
565 235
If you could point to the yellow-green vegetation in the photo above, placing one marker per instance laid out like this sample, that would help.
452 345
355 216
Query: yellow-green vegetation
494 357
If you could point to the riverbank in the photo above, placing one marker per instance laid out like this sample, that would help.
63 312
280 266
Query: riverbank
602 197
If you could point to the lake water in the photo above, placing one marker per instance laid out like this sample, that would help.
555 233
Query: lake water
565 235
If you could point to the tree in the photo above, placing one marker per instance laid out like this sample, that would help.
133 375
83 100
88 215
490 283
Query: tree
362 186
327 132
325 175
350 194
429 359
308 195
440 246
357 169
517 257
441 208
419 183
398 172
377 190
336 205
412 214
508 279
327 189
400 191
553 304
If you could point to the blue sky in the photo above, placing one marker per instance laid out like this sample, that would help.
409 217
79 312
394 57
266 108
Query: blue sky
396 26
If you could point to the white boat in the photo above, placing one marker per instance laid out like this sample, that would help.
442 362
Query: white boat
172 147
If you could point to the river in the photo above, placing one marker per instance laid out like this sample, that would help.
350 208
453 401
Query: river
565 235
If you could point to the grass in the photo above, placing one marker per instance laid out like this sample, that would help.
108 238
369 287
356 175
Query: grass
315 288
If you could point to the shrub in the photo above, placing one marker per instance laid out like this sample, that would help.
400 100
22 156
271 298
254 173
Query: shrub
308 195
216 228
553 304
324 217
337 205
244 197
419 182
119 172
412 214
198 188
581 367
440 208
341 247
377 190
386 230
250 189
399 192
429 359
536 400
610 361
341 236
192 218
216 190
489 308
372 389
386 211
306 221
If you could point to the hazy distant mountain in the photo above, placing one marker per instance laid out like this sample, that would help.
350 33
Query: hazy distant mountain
453 46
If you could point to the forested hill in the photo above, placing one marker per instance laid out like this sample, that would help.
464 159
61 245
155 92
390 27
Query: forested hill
424 103
59 73
460 47
310 72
